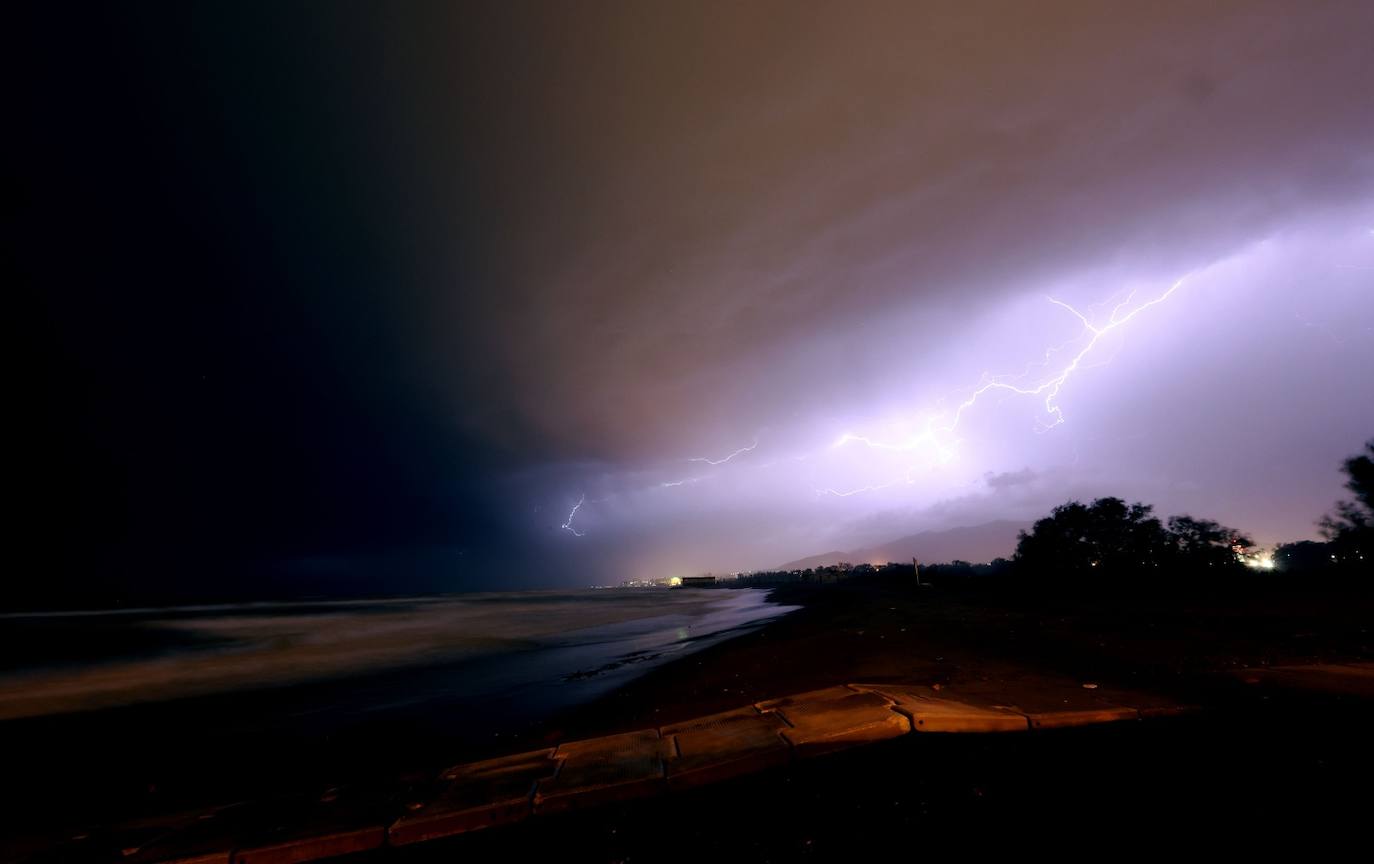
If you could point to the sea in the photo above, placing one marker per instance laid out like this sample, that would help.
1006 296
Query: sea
140 708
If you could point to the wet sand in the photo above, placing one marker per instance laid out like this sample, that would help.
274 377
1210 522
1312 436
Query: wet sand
251 701
1261 770
1184 645
1259 763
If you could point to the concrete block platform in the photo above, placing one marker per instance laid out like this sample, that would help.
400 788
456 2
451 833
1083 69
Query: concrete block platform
1060 702
1339 679
1159 712
931 713
823 721
338 822
721 746
303 845
478 795
1081 717
602 770
207 838
189 835
597 771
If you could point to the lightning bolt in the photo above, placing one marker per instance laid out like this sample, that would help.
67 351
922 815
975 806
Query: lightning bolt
1052 387
740 452
567 523
939 435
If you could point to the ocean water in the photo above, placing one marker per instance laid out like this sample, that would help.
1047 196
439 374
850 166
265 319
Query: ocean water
214 701
568 644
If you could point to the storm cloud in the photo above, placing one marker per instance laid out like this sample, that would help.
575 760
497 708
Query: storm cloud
712 269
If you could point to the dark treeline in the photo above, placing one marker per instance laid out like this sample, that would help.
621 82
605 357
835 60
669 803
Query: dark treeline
1109 543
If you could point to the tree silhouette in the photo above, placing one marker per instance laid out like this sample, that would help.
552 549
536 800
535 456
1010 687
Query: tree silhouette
1204 543
1107 535
1112 537
1351 527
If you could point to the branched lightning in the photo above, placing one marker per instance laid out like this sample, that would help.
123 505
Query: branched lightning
666 484
740 452
940 435
567 523
936 435
1052 387
669 484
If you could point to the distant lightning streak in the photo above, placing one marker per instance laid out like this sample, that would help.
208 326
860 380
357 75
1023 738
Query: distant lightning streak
1052 387
740 452
567 524
857 491
937 435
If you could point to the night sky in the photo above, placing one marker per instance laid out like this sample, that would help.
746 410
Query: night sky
367 297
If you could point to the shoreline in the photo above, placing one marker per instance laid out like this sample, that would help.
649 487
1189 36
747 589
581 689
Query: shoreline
1007 647
364 727
987 638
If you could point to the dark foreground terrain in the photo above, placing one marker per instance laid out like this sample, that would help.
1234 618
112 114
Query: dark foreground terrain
1293 776
1266 762
1265 766
1193 646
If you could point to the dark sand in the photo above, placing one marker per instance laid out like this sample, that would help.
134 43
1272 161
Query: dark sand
298 698
1186 646
1260 766
1260 771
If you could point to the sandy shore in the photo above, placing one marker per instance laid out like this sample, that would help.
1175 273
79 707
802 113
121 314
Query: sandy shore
201 707
1184 646
997 643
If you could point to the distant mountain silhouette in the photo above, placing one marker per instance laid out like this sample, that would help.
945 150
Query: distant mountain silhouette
824 559
976 543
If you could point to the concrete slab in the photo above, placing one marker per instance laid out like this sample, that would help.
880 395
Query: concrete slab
602 770
1073 702
724 745
208 839
835 718
839 691
339 821
1345 679
1161 711
478 795
931 713
112 842
1087 717
216 856
314 847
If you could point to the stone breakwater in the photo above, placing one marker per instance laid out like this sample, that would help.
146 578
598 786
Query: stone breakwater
584 774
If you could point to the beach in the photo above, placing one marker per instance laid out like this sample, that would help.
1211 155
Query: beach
1258 768
170 708
393 730
1188 645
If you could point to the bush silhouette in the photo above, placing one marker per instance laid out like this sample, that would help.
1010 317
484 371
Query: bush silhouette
1079 541
1350 529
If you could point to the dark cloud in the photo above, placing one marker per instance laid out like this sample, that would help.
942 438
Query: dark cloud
701 208
312 281
1008 479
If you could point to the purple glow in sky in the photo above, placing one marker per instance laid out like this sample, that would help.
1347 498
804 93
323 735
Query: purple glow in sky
802 282
558 293
1229 390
